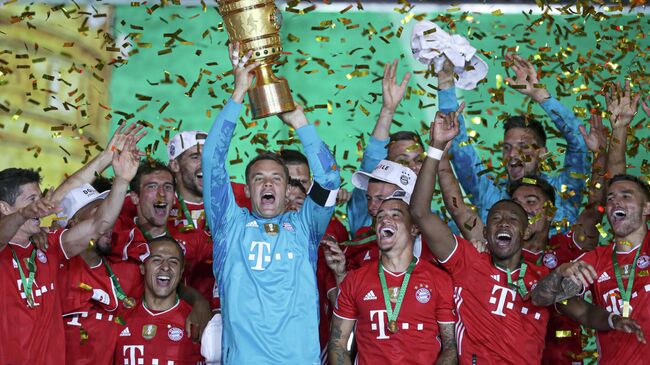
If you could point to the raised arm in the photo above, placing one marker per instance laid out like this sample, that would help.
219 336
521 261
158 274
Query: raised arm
467 163
467 220
217 191
621 108
527 83
585 232
125 165
436 233
392 94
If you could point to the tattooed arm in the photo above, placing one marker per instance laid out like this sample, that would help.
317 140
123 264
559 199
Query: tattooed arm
448 354
340 330
554 288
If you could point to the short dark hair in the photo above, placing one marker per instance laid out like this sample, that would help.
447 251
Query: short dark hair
168 238
535 181
102 184
526 122
503 201
267 156
293 157
405 136
12 181
625 177
149 167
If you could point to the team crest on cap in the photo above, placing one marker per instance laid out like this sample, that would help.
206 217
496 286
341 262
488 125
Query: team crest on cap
550 260
404 180
172 149
175 334
423 295
43 259
643 262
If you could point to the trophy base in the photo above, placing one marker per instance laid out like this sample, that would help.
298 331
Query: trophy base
270 99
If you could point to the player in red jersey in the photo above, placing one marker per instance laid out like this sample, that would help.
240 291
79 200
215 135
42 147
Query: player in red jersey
154 331
401 306
617 274
31 329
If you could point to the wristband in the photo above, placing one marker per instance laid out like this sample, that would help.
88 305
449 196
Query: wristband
434 153
610 320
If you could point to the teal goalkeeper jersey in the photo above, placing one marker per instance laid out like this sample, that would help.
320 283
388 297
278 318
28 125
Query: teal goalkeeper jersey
266 268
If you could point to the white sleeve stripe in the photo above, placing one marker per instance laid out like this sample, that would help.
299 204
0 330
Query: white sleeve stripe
65 254
348 319
452 251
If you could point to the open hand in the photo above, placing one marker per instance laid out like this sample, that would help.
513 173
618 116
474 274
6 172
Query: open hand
596 139
392 92
525 81
621 105
628 325
295 118
127 160
444 127
41 207
580 272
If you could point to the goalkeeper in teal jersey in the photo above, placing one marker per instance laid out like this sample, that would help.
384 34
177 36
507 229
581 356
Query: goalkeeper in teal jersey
265 260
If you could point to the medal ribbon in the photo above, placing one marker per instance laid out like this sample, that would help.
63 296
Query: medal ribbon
186 212
148 235
121 295
27 282
392 314
521 285
626 293
361 241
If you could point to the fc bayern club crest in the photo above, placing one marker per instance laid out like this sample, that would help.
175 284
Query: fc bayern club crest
175 334
43 259
643 262
423 295
550 260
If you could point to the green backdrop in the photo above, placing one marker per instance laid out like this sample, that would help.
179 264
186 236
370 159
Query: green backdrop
175 75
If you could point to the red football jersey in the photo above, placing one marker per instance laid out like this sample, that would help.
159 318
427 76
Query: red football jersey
32 335
326 281
495 324
151 337
427 302
563 335
618 347
91 316
178 219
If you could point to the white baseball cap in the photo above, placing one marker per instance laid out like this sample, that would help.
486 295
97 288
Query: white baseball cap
183 141
390 172
76 199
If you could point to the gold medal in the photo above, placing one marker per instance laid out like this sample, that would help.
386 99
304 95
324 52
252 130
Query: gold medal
626 309
392 326
149 331
271 229
129 302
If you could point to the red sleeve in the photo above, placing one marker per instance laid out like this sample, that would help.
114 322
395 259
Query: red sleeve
462 257
337 230
240 195
590 258
55 246
345 306
445 305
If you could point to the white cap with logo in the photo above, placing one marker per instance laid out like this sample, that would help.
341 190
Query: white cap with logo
390 172
183 141
400 194
76 199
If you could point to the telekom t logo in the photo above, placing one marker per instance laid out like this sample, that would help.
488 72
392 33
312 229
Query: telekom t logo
381 323
131 353
258 250
505 298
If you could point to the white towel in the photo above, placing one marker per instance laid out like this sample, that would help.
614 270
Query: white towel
433 47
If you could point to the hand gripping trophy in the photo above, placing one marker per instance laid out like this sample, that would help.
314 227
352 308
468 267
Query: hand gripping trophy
255 24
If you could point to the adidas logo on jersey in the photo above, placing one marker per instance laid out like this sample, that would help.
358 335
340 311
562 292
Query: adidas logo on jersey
370 296
252 224
603 277
496 277
367 257
125 332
